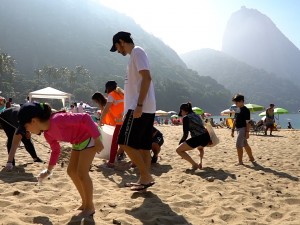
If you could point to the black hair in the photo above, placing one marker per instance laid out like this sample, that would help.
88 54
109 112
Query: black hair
45 114
238 98
99 98
186 107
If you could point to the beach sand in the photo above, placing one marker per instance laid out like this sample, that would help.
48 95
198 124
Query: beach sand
221 193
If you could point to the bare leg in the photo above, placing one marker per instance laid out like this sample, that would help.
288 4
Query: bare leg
249 153
201 151
143 166
85 159
240 155
181 150
72 172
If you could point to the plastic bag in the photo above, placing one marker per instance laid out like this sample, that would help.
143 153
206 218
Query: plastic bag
106 138
213 137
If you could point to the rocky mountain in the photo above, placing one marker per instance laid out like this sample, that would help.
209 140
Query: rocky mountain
257 85
67 33
253 38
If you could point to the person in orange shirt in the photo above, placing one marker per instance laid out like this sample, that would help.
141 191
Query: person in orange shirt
115 107
101 101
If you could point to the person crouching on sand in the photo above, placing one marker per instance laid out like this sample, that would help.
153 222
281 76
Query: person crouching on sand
75 128
199 135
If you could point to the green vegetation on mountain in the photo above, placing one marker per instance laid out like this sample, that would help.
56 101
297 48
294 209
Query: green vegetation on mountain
258 86
65 45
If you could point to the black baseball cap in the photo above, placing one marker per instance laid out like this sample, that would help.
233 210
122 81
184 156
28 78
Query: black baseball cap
26 113
111 85
120 35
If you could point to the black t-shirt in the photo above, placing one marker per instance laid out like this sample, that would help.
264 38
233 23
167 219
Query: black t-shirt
241 117
9 118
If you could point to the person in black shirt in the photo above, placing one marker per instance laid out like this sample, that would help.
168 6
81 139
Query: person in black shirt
157 142
9 123
199 135
242 126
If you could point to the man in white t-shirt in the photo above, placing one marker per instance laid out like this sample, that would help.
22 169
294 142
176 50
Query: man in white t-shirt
135 136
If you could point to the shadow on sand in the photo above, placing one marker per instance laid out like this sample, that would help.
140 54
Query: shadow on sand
258 167
17 174
211 172
154 211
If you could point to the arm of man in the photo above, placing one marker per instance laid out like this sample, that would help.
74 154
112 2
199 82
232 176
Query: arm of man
145 84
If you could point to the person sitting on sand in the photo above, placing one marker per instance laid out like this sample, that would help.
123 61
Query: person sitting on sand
199 135
290 126
75 128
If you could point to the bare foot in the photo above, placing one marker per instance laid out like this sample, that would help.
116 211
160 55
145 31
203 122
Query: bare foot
86 213
239 164
80 207
200 166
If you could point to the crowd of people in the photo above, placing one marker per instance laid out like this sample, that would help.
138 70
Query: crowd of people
132 112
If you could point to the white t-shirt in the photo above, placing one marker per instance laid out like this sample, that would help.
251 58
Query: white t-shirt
138 61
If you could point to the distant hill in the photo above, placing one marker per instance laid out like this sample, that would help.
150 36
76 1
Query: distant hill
79 32
259 86
253 38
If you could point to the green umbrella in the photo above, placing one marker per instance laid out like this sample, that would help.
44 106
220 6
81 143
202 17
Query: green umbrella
198 110
254 107
174 116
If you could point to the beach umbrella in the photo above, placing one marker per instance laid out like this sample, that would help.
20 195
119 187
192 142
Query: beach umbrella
277 111
206 114
254 107
198 110
161 113
227 112
172 112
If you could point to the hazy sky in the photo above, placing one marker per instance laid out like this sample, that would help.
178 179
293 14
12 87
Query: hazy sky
187 25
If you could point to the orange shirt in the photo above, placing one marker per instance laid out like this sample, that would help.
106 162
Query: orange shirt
117 106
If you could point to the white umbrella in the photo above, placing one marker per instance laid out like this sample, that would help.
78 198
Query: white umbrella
161 113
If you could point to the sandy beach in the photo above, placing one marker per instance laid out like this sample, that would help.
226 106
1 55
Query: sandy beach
267 192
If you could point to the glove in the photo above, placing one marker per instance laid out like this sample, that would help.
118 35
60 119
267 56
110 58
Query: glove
43 175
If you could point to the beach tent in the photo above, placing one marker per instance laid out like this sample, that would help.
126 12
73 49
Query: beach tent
50 93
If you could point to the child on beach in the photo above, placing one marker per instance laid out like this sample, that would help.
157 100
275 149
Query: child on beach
199 135
242 126
75 128
115 107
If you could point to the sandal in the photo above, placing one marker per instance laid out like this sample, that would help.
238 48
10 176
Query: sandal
141 187
131 184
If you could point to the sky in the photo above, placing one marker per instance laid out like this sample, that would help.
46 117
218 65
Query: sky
187 25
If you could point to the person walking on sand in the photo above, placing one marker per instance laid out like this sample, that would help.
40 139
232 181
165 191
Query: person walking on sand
75 128
242 126
199 135
135 136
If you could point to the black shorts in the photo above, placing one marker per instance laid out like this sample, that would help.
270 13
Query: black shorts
137 132
159 139
201 140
